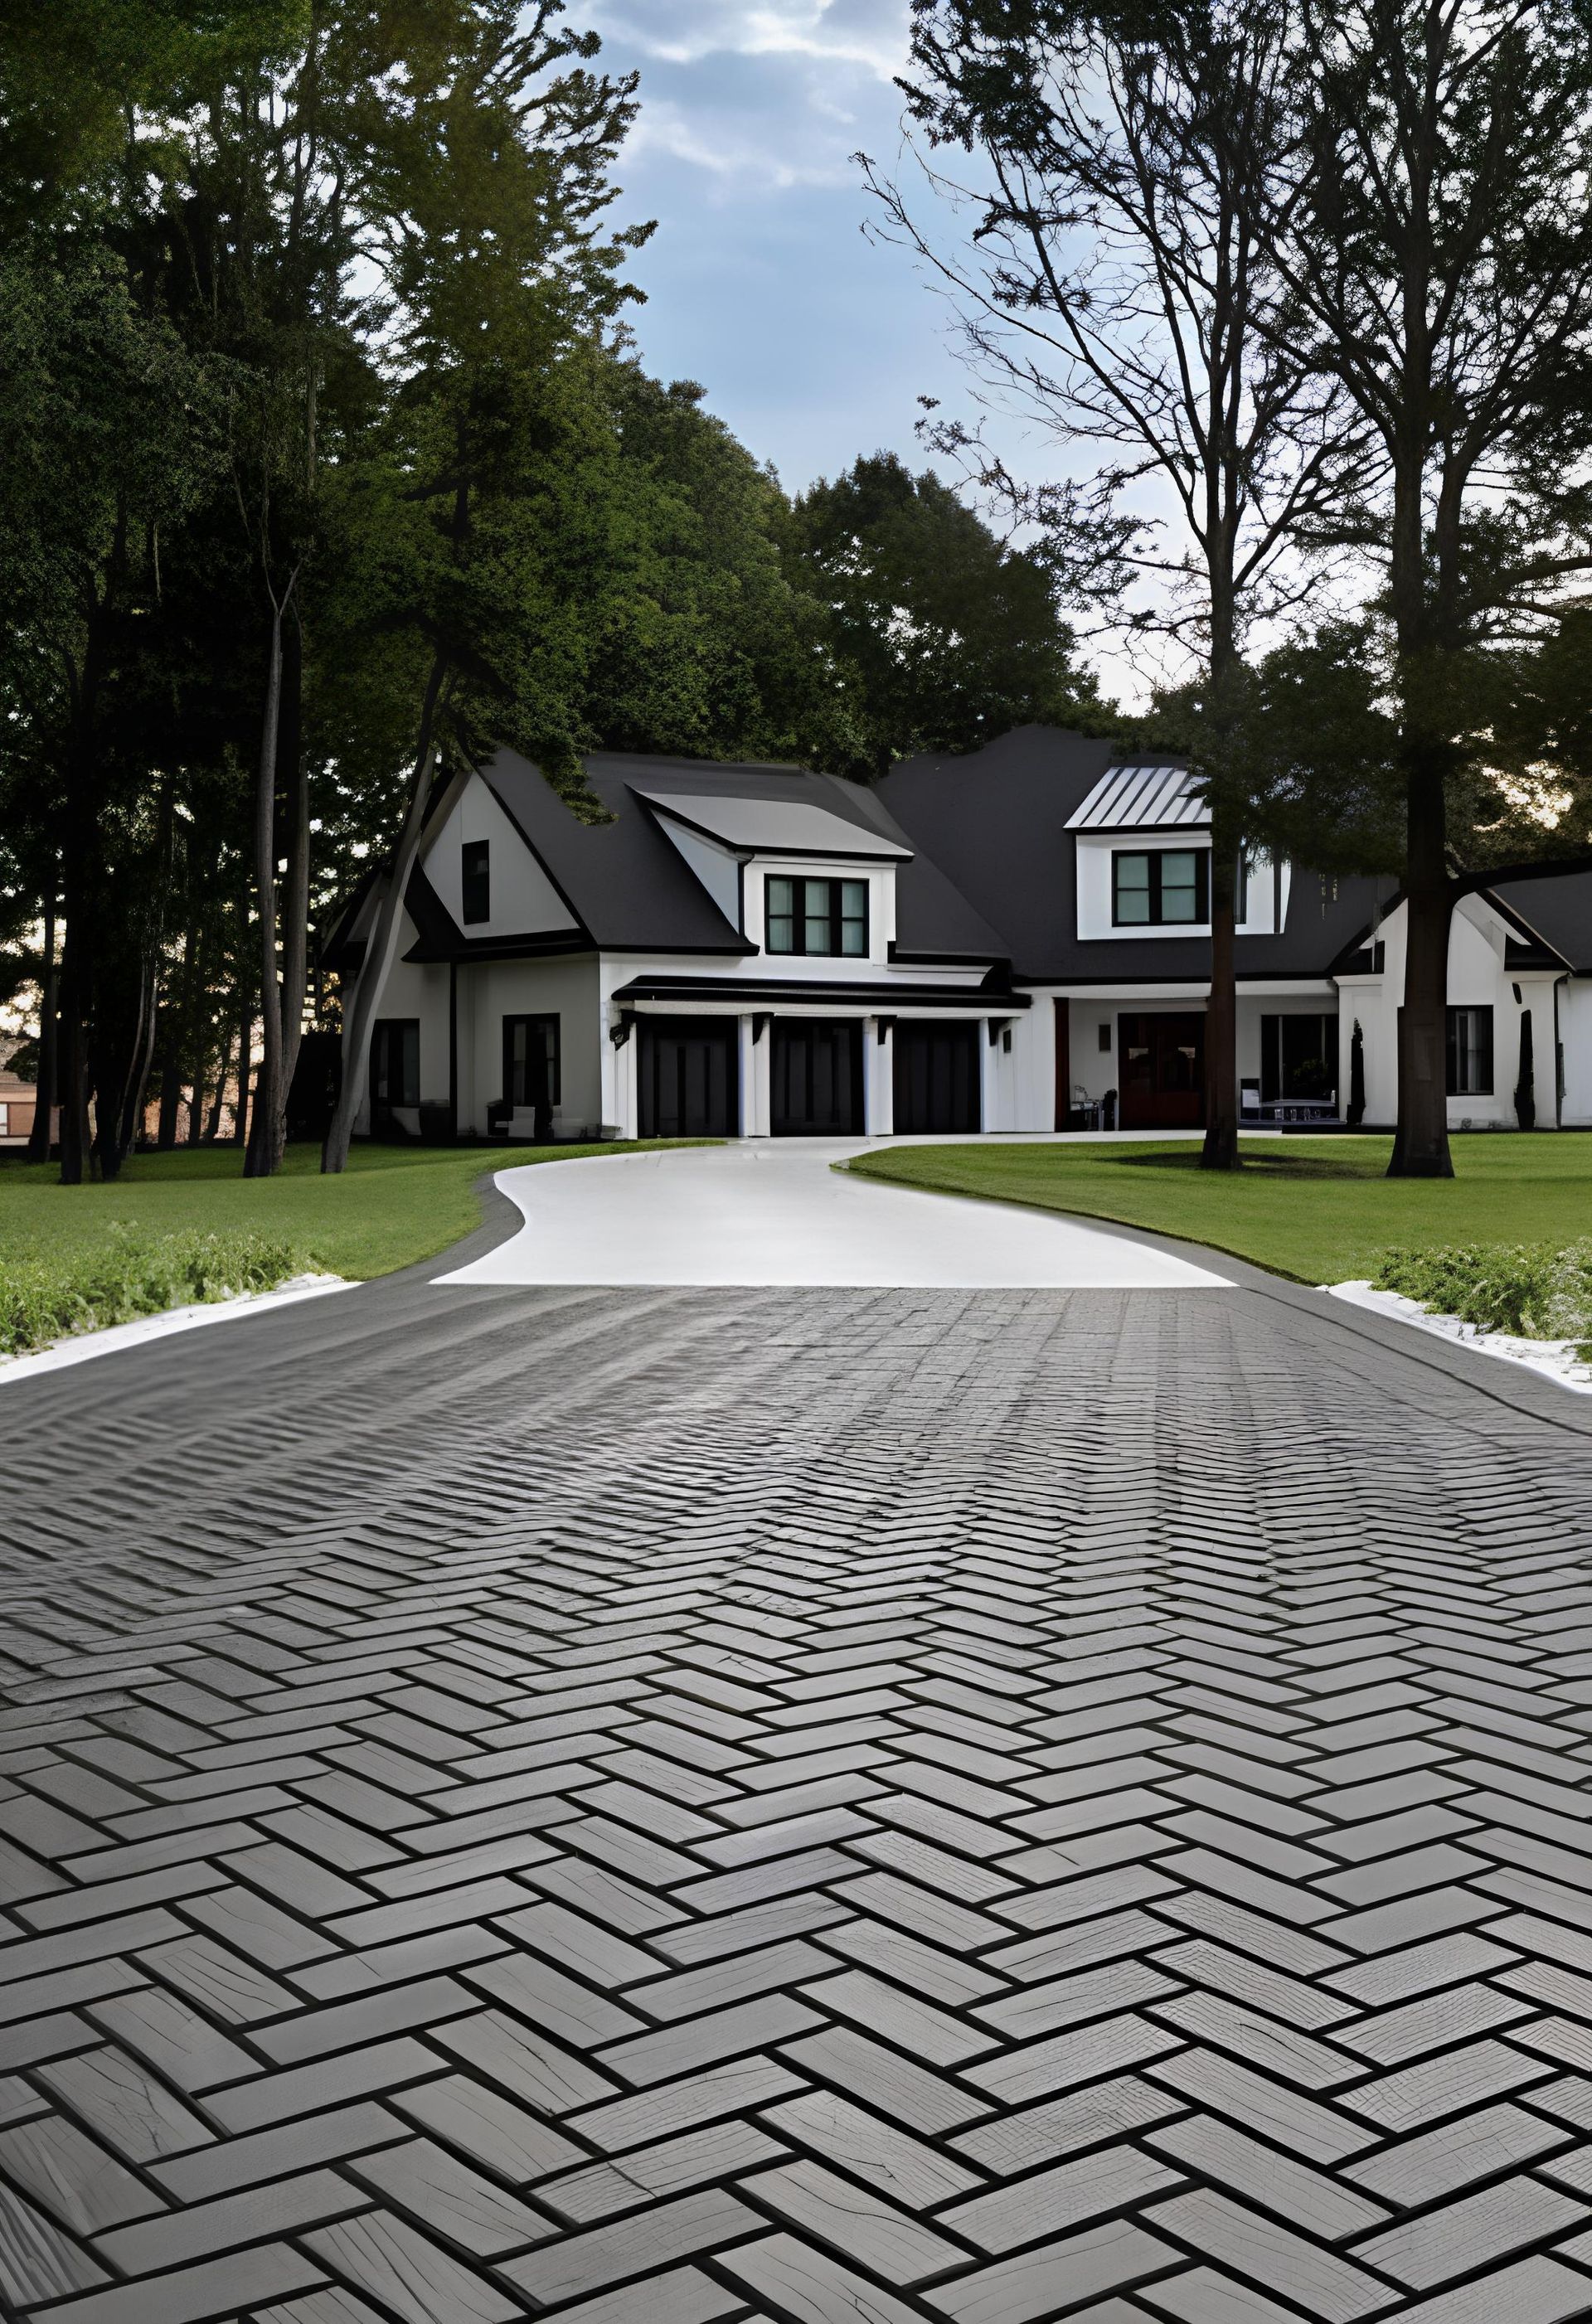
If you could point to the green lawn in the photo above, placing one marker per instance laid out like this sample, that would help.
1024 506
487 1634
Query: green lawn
1315 1208
391 1205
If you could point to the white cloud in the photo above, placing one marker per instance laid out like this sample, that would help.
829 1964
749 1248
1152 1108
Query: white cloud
776 93
871 33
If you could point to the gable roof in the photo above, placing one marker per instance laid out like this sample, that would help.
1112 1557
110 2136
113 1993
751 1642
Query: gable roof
1006 817
629 890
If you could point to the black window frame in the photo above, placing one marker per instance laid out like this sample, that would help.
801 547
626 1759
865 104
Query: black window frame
553 1023
1155 857
801 915
1486 1050
475 882
382 1046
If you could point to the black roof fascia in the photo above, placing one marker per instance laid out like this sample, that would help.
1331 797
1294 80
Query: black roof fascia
766 989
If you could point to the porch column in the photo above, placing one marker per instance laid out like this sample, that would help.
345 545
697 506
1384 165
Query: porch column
989 1073
619 1079
755 1049
879 1077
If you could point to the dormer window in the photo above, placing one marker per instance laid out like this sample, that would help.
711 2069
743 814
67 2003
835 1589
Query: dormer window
475 879
1160 887
818 917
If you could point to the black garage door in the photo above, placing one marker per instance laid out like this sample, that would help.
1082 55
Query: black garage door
818 1079
688 1077
936 1076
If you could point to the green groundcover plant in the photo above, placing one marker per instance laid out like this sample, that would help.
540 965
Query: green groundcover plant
133 1274
1533 1291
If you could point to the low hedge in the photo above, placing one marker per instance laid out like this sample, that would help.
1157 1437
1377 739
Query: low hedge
133 1273
1532 1291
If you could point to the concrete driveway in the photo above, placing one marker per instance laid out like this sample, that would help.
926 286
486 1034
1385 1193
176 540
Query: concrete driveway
779 1214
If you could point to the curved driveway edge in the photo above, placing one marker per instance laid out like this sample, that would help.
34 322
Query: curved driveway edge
779 1215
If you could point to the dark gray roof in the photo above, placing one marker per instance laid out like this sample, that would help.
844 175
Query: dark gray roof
1000 818
631 891
627 885
1558 909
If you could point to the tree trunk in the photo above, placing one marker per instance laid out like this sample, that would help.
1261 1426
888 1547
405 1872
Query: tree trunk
263 1152
39 1138
359 1010
293 781
1221 1149
74 1064
1421 1144
240 1120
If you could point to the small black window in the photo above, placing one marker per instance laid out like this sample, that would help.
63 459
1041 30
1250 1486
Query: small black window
1470 1053
395 1061
531 1061
1161 887
1105 1040
818 917
476 864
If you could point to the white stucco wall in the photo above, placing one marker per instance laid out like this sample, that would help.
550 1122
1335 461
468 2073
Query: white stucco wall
565 987
524 900
1574 1034
1477 979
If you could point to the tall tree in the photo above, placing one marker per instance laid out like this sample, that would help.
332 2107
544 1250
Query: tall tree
489 186
939 634
1437 249
1117 285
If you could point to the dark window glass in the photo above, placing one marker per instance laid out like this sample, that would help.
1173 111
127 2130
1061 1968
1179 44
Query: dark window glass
395 1061
476 856
1130 890
782 916
1298 1057
531 1061
817 916
1160 887
1180 883
1470 1053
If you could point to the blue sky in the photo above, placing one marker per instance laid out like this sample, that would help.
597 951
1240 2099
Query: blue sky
812 343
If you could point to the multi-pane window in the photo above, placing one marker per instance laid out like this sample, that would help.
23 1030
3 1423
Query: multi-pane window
818 915
1470 1053
1160 887
475 870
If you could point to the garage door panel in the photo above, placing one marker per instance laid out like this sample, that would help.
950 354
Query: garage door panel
936 1076
816 1078
688 1077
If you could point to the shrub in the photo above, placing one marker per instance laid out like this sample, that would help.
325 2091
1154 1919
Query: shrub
133 1274
1530 1290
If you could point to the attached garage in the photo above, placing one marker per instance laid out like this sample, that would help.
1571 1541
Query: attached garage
816 1078
936 1076
686 1077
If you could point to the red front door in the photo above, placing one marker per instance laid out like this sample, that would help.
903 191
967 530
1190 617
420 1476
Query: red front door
1162 1062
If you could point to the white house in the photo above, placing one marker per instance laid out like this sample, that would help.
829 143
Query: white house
1013 940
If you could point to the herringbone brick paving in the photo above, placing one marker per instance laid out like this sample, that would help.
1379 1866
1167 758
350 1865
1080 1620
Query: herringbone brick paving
819 1806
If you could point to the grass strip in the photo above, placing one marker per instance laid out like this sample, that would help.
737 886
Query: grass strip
128 1275
1320 1210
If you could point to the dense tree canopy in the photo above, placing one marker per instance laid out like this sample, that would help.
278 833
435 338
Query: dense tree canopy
330 467
942 634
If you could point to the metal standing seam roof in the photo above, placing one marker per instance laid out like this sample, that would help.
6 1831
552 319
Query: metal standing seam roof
1140 798
778 826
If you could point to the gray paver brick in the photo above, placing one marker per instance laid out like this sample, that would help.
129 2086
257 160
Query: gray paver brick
851 1842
